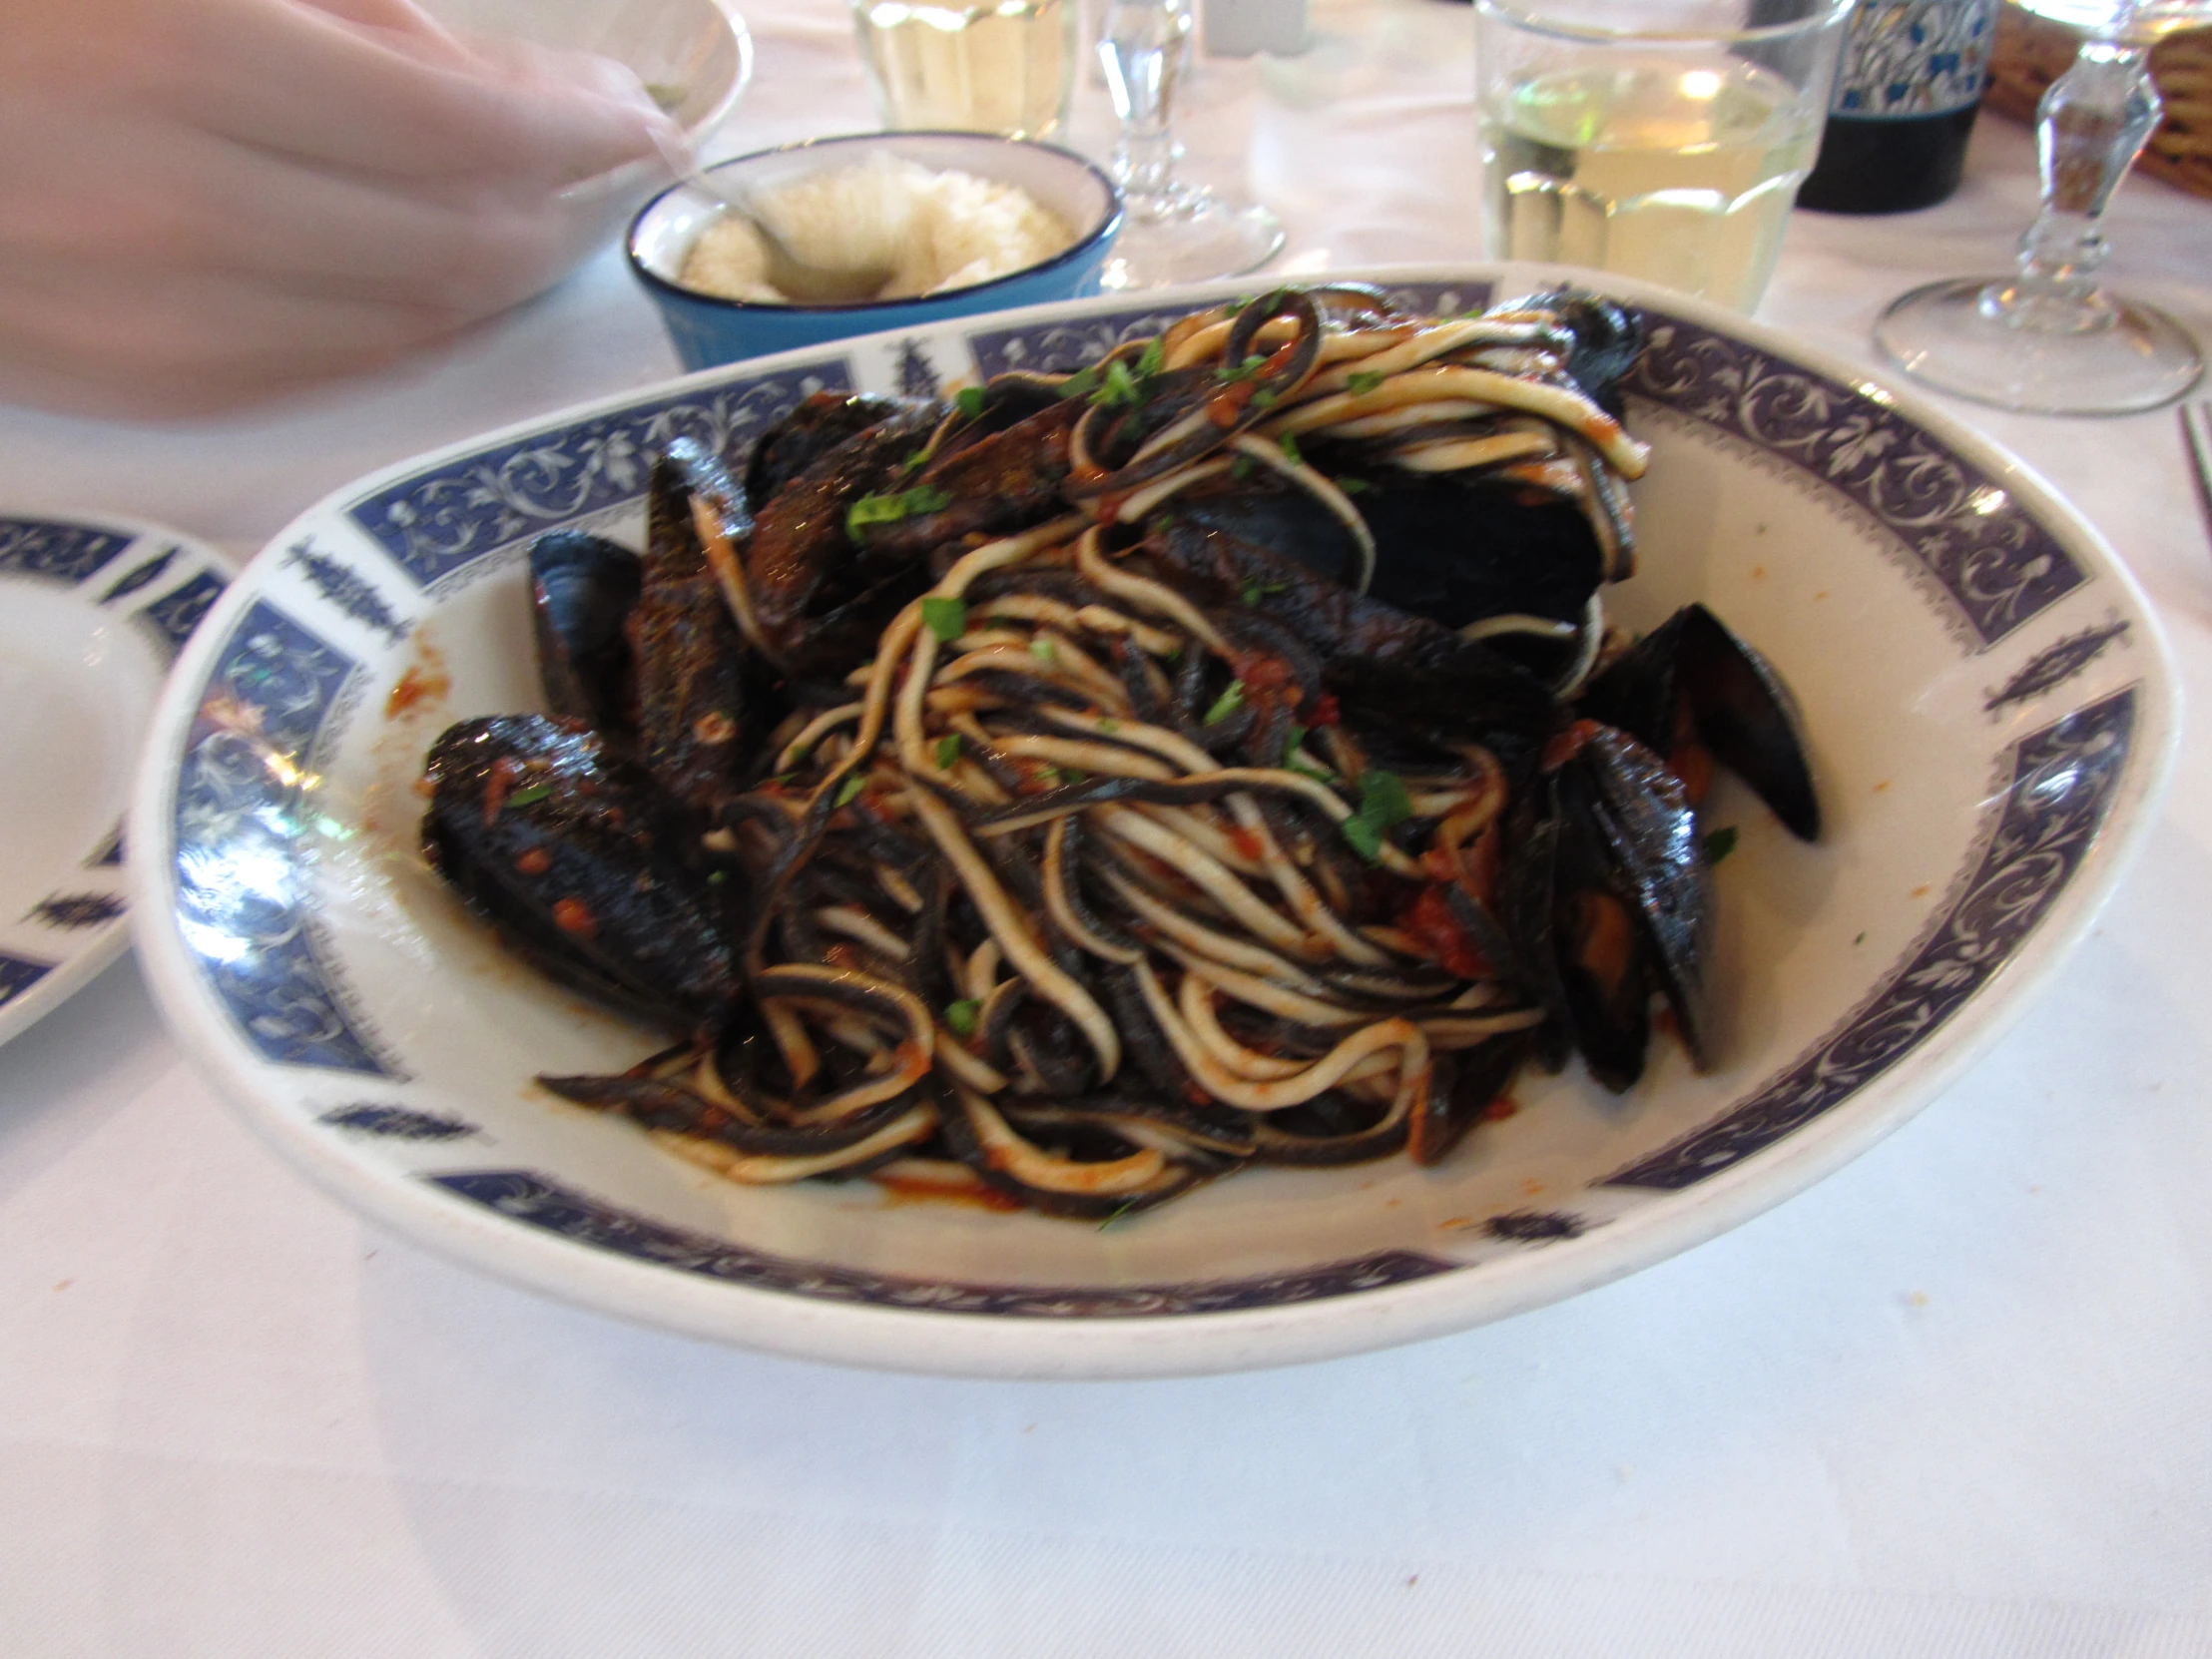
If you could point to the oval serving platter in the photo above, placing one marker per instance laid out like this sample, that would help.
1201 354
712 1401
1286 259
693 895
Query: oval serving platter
93 611
1992 716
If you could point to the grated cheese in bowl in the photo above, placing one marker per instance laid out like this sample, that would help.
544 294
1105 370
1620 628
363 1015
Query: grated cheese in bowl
936 231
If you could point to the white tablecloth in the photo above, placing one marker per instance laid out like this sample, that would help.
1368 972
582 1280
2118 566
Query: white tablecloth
1955 1399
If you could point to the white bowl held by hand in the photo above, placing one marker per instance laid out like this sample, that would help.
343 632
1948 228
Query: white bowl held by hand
694 56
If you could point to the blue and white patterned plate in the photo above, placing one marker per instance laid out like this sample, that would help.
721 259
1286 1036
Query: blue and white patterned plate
1992 716
92 613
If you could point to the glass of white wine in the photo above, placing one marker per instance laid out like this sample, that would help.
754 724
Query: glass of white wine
2047 338
990 66
1172 230
1663 139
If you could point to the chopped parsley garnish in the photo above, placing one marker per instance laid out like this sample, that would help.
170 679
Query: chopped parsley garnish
1360 382
1384 804
1226 703
969 401
852 786
534 791
1288 445
1382 799
1720 844
1118 389
890 509
1153 359
1353 486
961 1016
949 751
1043 649
1108 725
1252 592
1080 384
915 461
1263 398
1230 374
946 618
1242 467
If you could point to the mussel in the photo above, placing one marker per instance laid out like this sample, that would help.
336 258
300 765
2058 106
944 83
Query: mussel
579 862
1697 693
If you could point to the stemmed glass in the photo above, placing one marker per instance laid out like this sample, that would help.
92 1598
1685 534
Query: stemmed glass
1172 230
2048 338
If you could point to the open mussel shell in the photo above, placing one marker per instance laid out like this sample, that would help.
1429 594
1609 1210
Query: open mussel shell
1692 679
581 591
1457 549
1608 898
571 855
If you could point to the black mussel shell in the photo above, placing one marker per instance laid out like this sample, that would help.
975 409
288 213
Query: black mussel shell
1456 550
582 590
1692 676
1607 898
1608 341
1463 1092
694 718
572 856
818 425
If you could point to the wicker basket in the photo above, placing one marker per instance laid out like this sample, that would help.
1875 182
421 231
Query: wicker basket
2031 53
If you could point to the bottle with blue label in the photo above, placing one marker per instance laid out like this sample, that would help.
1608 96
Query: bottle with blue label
1907 90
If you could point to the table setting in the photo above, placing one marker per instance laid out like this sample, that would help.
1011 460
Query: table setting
1861 1309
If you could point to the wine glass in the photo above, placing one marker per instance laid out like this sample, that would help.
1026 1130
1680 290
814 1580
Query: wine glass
1172 232
2048 338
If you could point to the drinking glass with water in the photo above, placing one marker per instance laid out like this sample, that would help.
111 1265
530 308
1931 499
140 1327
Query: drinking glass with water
1660 139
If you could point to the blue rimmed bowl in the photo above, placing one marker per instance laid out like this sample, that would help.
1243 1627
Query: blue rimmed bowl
708 330
1992 714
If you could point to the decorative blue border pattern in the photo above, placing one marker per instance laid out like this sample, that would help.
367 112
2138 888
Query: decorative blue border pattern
141 575
541 1202
2055 665
59 552
434 522
18 974
403 1123
2063 780
74 910
1996 562
1058 348
174 616
346 588
242 805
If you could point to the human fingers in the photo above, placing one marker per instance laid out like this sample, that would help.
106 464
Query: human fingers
305 83
130 196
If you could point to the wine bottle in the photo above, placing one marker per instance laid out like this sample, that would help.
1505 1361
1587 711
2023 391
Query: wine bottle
1906 93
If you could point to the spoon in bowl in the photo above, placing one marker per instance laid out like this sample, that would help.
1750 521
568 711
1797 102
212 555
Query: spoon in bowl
801 280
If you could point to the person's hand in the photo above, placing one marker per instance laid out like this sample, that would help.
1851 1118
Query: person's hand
207 202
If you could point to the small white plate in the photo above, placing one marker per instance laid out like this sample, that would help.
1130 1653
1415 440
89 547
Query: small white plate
1992 714
92 613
